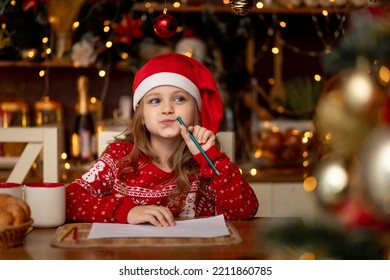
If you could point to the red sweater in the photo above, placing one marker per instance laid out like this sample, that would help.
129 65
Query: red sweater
100 196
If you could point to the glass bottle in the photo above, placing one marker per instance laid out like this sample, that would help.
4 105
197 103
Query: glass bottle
83 144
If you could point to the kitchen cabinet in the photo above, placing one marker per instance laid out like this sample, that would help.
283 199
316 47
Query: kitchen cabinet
286 199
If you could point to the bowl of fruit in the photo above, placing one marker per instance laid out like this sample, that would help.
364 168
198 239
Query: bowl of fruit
284 143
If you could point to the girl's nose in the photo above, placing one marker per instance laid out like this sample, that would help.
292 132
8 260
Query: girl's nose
167 108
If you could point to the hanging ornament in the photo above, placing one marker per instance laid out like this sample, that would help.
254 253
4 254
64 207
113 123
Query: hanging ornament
165 25
358 91
361 96
332 182
343 130
128 30
241 7
192 46
375 156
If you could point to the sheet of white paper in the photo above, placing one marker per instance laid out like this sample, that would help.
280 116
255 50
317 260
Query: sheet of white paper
204 228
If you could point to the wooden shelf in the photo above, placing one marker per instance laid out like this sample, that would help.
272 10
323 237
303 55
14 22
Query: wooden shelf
122 65
225 8
29 64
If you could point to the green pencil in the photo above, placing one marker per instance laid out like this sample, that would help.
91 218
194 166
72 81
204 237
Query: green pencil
199 146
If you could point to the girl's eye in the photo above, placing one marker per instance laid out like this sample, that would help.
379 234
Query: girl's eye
154 101
179 99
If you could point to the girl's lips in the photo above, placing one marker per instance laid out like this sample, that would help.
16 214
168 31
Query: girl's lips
167 121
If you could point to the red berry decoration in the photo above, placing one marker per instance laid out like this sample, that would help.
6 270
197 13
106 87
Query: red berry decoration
165 26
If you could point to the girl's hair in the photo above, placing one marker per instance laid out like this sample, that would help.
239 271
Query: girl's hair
184 167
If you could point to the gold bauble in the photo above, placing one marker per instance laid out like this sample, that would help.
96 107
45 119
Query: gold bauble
375 157
337 127
333 181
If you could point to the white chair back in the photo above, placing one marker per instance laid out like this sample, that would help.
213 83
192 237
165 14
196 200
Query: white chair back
228 142
37 139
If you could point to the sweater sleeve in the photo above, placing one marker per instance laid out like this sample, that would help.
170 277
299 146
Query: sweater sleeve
91 197
234 197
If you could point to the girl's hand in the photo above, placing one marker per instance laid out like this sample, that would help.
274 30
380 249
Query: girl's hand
158 216
206 138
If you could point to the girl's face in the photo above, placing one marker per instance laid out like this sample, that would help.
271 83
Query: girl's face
162 106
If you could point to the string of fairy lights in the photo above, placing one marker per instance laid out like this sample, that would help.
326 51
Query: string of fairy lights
280 24
276 23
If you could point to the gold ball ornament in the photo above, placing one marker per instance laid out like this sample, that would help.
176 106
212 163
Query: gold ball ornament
375 157
339 192
360 93
332 182
339 129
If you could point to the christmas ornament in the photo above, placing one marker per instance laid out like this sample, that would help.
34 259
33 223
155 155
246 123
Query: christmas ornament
338 190
241 7
192 46
340 130
358 91
362 97
356 212
165 25
332 182
128 30
375 169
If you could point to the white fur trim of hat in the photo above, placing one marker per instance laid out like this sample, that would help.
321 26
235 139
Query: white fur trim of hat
166 79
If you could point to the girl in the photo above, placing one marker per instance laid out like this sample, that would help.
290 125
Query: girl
157 173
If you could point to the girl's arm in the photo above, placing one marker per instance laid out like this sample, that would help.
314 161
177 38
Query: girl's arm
91 197
234 197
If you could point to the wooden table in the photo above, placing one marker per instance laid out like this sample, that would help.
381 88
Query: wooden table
254 246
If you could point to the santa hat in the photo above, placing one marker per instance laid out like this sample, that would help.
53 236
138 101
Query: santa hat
181 71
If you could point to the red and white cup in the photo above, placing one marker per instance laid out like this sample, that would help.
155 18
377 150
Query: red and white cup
14 189
47 203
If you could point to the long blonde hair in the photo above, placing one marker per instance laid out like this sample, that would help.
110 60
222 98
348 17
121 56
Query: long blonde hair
183 166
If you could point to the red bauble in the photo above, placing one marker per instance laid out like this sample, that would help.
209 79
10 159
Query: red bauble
165 26
355 213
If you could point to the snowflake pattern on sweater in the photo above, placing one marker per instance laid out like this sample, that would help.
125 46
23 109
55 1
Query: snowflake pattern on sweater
100 195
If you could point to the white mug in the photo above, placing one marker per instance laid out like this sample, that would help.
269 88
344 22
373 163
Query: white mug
47 203
14 189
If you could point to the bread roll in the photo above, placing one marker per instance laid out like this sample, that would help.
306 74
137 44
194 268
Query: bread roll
21 203
13 211
4 197
17 212
6 219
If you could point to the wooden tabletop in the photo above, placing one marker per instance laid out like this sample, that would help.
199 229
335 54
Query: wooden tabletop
254 246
